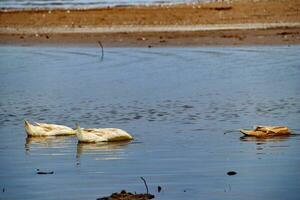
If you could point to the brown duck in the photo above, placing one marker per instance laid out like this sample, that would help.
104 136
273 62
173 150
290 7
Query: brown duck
267 131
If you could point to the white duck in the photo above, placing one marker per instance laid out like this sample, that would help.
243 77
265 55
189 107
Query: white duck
101 134
42 129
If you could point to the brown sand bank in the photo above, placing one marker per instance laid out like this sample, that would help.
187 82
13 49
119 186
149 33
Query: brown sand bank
247 22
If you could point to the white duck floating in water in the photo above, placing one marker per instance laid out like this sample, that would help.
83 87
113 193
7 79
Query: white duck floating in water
42 129
101 134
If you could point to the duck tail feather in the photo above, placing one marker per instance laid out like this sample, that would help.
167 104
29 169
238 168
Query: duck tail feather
27 125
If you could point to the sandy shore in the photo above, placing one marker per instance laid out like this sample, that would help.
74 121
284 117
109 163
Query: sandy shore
216 23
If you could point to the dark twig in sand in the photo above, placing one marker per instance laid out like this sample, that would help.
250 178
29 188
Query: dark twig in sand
102 50
221 8
145 184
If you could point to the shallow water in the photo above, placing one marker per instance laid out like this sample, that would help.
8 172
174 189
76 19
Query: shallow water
176 102
84 3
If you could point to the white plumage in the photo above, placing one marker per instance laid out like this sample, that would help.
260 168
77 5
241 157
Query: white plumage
42 129
101 134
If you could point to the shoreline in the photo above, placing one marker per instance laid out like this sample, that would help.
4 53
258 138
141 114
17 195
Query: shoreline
236 22
159 39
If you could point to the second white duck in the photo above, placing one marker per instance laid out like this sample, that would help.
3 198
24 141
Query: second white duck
101 134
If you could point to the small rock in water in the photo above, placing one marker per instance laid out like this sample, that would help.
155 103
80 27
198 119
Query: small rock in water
158 189
231 173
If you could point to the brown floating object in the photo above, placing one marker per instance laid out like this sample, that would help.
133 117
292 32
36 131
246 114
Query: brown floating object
267 131
123 195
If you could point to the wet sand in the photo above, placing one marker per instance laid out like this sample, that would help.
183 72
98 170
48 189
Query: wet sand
167 25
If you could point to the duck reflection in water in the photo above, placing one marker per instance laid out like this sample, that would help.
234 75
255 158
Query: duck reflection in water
264 140
269 145
48 142
103 150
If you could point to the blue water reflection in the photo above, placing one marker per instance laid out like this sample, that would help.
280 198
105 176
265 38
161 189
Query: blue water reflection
176 102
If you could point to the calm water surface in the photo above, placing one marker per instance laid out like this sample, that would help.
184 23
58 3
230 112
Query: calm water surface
176 102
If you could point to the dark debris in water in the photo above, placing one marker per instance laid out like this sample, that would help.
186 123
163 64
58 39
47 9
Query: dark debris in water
231 173
159 189
123 195
43 172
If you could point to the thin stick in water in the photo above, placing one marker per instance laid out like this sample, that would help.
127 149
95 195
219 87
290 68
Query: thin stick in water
231 131
145 185
102 49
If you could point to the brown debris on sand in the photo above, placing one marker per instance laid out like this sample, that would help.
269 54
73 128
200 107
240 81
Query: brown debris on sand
123 195
220 8
267 131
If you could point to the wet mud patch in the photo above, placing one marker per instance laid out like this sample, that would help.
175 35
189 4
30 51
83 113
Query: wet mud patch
127 196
